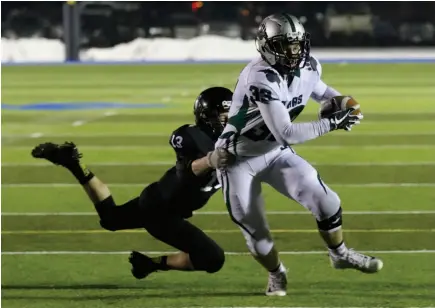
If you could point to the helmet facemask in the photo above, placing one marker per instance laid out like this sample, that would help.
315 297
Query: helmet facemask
283 42
292 54
212 120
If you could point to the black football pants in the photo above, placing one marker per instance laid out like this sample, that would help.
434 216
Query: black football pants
143 212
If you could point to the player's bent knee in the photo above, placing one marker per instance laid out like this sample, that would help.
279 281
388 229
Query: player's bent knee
325 205
259 245
208 260
216 261
108 224
332 223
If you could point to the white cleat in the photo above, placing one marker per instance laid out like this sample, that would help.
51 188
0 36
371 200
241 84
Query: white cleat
277 285
358 261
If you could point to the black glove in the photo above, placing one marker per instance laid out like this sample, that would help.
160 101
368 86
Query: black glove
344 119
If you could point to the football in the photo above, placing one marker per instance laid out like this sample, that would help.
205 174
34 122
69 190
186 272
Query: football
338 103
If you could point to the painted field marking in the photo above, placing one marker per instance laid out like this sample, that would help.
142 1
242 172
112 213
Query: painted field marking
170 163
35 135
287 307
334 60
230 253
95 118
48 118
217 231
313 147
163 134
65 185
422 212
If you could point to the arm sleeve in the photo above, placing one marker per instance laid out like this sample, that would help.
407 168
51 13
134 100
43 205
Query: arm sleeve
277 119
323 92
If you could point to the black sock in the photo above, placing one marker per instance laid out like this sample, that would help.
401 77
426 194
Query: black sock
81 172
277 269
103 207
161 263
336 246
339 250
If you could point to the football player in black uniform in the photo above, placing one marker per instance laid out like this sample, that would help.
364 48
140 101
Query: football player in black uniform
163 206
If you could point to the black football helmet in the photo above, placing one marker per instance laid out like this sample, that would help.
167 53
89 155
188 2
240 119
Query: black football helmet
210 110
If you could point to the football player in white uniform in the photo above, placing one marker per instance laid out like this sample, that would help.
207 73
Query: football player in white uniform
271 92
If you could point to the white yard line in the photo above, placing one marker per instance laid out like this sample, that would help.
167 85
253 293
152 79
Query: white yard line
167 163
49 117
311 252
285 307
85 135
149 163
312 147
374 185
111 112
215 231
290 307
422 212
166 134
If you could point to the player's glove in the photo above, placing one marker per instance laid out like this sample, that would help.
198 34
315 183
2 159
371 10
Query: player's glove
344 119
220 158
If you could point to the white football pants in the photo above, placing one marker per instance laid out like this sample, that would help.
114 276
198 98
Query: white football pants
287 173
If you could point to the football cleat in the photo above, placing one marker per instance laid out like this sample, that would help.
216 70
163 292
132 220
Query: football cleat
59 154
142 265
358 261
277 285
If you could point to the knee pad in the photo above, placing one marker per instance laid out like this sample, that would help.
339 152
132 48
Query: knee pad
332 223
259 246
209 259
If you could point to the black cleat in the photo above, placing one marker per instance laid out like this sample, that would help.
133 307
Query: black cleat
142 265
59 154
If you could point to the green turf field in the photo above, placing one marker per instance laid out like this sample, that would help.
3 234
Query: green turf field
54 253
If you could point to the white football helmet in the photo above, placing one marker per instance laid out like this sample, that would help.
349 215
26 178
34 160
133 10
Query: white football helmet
282 40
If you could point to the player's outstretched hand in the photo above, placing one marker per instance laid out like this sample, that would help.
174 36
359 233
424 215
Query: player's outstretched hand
345 119
220 158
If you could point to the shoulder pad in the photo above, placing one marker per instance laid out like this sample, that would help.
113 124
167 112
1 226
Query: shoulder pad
266 75
315 65
181 130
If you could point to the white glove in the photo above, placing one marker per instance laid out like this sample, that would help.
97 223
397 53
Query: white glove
220 158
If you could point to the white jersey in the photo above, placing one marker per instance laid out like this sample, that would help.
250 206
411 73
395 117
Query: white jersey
264 104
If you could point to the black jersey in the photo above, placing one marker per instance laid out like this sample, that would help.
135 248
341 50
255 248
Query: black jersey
179 187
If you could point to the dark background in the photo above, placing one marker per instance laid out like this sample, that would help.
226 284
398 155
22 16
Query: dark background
351 24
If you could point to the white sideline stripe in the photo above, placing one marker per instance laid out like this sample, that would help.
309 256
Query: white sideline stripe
163 134
149 163
84 135
230 253
36 185
226 213
288 307
314 147
168 163
285 307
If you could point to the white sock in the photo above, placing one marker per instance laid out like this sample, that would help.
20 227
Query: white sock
339 251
